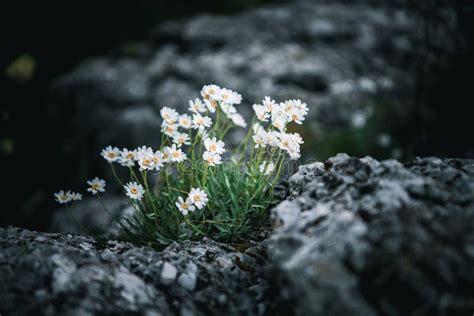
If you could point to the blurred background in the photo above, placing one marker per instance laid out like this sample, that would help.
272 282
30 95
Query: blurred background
390 79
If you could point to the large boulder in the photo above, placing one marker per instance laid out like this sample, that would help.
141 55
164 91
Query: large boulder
363 237
351 237
64 274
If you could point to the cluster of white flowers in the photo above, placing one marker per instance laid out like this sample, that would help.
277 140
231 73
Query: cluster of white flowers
196 129
64 197
214 150
279 116
196 198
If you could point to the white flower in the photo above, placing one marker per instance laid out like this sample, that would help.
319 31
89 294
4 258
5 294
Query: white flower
301 106
261 112
128 157
75 196
214 146
229 97
63 197
185 206
296 115
169 115
238 120
212 158
181 139
169 129
200 122
158 160
185 121
196 106
210 92
175 154
260 139
290 143
212 105
198 197
269 104
96 185
111 154
279 122
134 190
271 138
146 158
267 167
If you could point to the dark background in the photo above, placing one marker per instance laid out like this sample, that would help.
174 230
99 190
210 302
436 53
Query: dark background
55 36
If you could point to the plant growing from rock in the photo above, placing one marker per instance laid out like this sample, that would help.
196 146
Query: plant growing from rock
192 186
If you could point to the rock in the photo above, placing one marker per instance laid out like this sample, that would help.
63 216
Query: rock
363 237
352 237
51 274
90 213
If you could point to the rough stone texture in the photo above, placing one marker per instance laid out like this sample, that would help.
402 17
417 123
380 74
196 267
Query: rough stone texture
363 237
64 274
337 56
353 237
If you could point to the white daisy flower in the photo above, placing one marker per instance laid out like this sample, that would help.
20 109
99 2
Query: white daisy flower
201 122
238 120
261 112
198 197
212 105
128 157
214 146
229 97
158 160
269 104
134 190
301 106
197 106
111 154
76 196
210 92
260 139
294 155
97 185
296 116
185 121
211 158
146 158
279 122
175 154
271 138
168 129
181 139
267 167
185 206
63 197
169 115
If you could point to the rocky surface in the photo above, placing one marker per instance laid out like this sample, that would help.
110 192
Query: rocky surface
353 237
363 237
64 274
337 56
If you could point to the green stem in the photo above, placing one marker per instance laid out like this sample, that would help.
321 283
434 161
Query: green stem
82 227
115 174
103 205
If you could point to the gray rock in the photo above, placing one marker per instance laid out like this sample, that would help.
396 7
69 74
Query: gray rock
54 274
363 237
353 237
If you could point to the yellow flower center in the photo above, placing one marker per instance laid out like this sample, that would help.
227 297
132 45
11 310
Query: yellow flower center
175 154
111 155
146 162
214 103
197 198
213 147
95 186
134 190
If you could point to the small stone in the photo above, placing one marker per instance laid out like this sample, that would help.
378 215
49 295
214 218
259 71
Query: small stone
168 274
